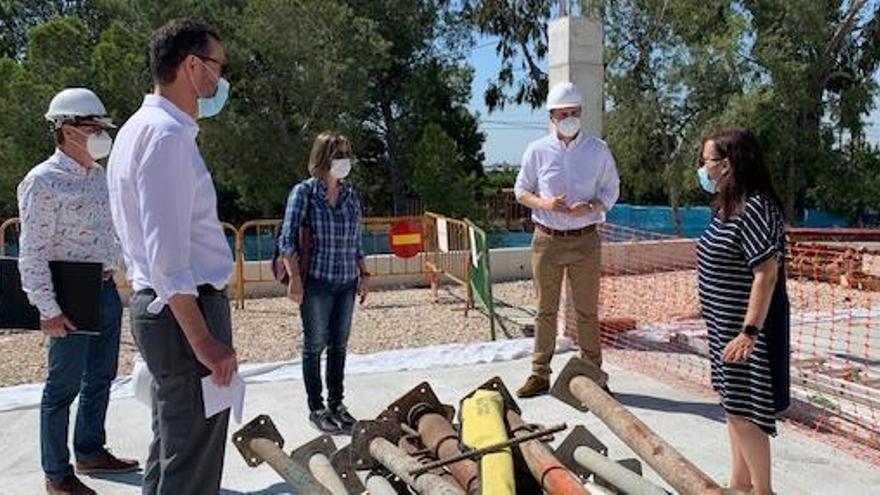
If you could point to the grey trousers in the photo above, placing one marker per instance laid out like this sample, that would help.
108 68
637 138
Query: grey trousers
186 454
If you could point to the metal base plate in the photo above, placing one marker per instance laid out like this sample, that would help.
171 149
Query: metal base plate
363 433
580 436
324 444
420 400
260 427
576 367
341 462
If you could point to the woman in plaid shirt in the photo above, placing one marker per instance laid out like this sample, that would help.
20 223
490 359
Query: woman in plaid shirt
328 207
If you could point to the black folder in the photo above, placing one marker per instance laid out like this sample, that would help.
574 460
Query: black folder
78 286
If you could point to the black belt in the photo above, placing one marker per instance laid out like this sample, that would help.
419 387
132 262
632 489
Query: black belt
204 290
589 229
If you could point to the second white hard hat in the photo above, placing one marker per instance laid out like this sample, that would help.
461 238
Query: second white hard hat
564 95
77 104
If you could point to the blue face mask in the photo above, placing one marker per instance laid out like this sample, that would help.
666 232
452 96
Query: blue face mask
706 182
209 107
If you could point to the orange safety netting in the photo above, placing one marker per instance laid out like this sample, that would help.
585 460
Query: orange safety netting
650 321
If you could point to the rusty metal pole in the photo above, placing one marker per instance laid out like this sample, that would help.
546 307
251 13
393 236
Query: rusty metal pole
259 441
412 446
372 445
399 463
439 436
421 410
554 477
577 387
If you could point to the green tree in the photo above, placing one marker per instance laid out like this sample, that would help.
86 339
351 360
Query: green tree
439 176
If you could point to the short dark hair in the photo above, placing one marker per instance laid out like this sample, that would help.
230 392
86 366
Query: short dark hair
748 172
173 42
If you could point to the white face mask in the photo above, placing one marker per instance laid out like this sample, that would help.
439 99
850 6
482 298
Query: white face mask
569 126
98 144
340 168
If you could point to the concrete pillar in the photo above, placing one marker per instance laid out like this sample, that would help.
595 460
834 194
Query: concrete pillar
576 55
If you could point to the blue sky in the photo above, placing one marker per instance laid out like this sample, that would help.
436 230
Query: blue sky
510 130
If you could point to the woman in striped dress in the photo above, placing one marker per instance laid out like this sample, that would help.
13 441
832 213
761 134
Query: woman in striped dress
741 280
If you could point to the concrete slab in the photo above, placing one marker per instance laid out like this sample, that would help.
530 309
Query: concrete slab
690 422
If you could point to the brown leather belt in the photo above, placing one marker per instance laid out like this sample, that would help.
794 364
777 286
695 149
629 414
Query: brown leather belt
589 229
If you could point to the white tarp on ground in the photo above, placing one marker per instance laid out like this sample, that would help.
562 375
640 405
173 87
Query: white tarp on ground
28 396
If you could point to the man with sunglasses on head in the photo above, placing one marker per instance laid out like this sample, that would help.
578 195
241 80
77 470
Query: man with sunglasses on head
164 208
65 215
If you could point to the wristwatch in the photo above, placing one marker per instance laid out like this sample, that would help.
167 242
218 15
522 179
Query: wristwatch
365 274
751 331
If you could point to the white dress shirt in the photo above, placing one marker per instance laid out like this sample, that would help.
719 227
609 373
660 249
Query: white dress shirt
65 216
164 205
582 171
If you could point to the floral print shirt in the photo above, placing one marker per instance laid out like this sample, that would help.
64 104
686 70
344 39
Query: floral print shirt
65 216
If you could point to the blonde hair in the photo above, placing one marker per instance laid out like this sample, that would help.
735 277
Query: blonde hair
324 150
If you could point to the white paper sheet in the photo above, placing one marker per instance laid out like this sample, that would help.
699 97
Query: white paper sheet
218 399
442 235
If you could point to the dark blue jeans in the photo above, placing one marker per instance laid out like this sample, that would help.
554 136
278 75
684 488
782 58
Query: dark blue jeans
326 312
79 365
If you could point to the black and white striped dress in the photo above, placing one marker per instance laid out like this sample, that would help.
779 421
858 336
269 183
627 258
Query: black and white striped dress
727 252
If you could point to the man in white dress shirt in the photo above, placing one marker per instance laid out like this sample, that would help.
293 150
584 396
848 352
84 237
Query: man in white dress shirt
569 180
65 216
165 211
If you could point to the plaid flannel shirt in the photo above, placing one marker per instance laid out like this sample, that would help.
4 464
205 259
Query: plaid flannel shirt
336 232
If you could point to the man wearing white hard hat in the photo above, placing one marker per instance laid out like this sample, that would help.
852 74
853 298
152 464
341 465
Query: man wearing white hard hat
65 215
569 180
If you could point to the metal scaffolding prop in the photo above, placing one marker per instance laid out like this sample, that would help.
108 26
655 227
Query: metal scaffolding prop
576 386
259 441
414 446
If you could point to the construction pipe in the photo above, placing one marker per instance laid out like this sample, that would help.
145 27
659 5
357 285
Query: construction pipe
440 438
401 464
576 387
412 446
297 476
482 425
553 476
378 485
622 478
323 471
259 441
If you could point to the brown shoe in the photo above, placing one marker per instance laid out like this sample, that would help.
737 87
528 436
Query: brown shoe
71 485
535 385
107 463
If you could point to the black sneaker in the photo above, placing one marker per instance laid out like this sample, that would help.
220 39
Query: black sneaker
323 420
342 417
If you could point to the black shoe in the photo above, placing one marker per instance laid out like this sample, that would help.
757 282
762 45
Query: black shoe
323 420
342 417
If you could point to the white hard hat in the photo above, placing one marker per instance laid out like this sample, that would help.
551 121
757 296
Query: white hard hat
77 104
564 95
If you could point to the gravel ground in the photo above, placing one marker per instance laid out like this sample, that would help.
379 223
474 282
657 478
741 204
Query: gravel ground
270 329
